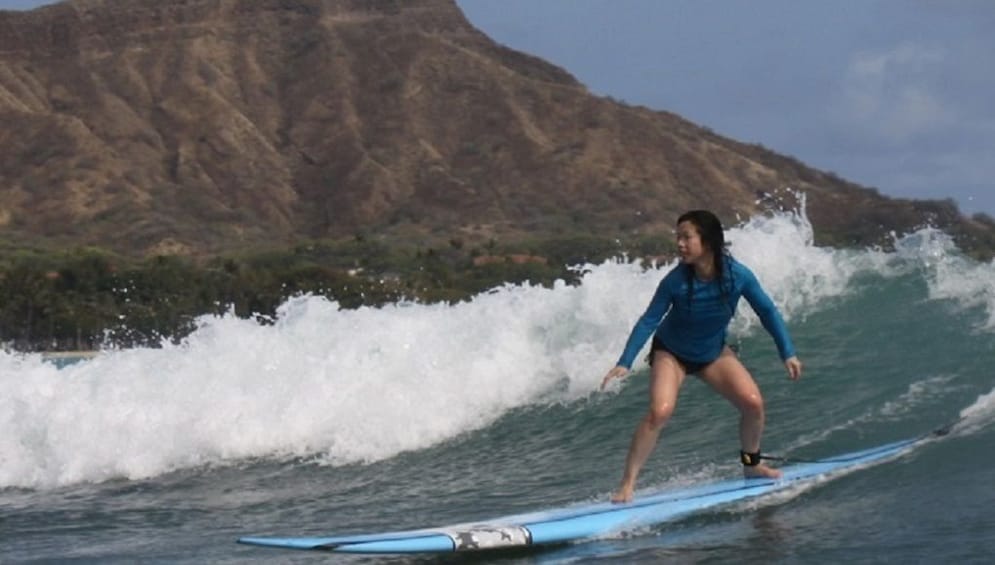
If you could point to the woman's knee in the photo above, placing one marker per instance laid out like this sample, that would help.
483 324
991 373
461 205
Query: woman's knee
659 414
751 405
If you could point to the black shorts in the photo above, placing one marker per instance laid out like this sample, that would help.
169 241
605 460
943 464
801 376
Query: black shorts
690 367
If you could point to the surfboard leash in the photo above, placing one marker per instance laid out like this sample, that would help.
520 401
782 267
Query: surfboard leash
939 432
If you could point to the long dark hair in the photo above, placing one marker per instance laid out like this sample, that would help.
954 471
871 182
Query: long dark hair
713 237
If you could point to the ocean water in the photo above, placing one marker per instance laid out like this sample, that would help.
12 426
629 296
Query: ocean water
334 421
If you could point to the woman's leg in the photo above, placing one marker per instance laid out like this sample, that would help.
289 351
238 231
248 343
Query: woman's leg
665 383
731 379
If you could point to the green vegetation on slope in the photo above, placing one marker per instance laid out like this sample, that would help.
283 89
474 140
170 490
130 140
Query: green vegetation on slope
89 298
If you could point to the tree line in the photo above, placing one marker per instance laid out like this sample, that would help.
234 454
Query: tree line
90 298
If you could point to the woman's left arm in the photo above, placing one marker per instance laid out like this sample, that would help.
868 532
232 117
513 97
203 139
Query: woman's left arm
772 321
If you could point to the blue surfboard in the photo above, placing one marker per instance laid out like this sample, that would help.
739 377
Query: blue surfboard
589 520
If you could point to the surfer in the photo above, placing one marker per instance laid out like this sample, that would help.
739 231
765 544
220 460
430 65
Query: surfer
689 315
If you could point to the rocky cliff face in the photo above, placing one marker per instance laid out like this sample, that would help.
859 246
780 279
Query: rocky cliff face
159 126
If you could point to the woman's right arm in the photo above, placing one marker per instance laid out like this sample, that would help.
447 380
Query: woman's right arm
645 327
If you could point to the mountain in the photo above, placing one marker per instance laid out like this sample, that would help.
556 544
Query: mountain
202 126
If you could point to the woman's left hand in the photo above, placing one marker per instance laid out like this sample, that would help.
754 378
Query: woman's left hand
794 367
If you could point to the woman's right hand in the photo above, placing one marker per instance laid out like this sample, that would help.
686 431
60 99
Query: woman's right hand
617 372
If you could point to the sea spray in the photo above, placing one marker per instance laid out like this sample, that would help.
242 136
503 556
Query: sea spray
949 274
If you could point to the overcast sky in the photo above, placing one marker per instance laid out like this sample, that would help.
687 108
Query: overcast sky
898 95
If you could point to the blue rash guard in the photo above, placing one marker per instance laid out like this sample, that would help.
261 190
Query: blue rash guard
697 331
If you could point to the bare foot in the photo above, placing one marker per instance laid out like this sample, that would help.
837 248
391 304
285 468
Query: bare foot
761 471
623 495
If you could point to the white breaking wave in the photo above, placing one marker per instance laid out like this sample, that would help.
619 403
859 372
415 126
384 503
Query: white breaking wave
950 274
977 416
348 386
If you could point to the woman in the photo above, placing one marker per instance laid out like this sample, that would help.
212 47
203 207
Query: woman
690 314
